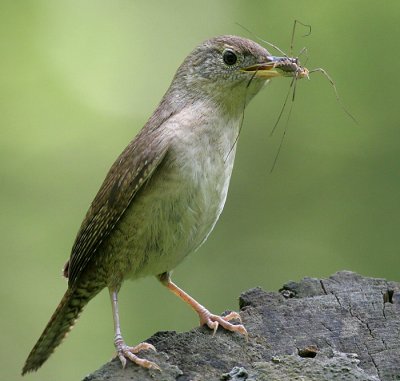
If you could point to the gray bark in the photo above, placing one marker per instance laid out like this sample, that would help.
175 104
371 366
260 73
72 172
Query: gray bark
346 327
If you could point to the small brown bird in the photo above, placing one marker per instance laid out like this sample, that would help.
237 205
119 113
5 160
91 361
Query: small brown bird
164 193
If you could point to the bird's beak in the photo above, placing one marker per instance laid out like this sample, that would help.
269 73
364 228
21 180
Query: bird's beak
278 67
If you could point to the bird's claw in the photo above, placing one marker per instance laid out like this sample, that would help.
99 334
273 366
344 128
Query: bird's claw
214 321
126 352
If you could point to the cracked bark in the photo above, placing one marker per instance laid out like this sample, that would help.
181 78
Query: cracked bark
345 327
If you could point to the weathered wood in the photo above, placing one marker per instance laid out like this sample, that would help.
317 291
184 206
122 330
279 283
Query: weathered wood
346 327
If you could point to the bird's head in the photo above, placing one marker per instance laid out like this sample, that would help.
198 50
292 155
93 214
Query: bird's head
231 69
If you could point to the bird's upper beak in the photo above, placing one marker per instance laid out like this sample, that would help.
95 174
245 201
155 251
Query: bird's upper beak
278 67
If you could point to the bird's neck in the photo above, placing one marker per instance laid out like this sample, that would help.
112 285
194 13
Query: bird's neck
204 133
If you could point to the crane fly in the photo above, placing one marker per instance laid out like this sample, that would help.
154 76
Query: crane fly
291 67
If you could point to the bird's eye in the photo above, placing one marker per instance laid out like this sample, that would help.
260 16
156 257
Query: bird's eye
229 57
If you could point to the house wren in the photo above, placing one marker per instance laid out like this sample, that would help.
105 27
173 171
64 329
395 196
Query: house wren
164 193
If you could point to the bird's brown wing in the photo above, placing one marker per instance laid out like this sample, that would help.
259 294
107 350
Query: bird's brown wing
130 171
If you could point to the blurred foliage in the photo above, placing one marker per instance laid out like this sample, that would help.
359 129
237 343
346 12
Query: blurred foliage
79 78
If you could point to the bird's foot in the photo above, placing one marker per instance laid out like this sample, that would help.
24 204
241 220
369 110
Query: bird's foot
214 321
126 352
206 317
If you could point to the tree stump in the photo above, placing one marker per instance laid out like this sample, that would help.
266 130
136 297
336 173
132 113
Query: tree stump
346 327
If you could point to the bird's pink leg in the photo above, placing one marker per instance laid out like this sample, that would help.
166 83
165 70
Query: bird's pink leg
124 351
206 317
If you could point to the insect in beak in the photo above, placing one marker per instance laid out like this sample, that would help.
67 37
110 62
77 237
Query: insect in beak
279 67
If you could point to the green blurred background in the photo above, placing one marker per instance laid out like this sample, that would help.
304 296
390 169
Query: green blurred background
77 81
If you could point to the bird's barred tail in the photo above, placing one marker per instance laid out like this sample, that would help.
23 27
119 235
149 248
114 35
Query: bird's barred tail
60 324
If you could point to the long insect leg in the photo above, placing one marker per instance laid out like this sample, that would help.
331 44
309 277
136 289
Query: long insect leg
324 72
292 86
263 41
283 107
302 51
242 119
294 31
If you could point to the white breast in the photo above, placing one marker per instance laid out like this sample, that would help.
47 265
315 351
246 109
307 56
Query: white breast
205 152
176 211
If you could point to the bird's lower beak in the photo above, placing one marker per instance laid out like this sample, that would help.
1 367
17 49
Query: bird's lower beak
278 67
